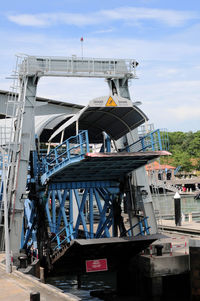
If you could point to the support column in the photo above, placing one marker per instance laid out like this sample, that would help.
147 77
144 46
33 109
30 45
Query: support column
140 179
27 144
120 87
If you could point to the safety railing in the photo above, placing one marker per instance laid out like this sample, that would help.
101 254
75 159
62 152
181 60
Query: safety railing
79 66
71 150
6 161
65 235
154 141
143 227
5 133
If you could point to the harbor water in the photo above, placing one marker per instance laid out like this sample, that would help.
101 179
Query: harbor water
164 205
90 282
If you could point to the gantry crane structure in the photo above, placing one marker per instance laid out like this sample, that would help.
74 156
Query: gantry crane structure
51 195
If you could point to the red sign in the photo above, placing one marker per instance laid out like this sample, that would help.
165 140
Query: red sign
96 265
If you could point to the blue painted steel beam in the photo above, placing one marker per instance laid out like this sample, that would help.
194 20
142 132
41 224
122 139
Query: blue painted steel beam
91 213
61 199
53 209
70 207
101 212
48 212
81 217
86 184
62 209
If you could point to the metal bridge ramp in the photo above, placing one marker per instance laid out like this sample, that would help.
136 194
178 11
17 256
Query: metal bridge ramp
96 166
115 250
72 166
113 115
85 188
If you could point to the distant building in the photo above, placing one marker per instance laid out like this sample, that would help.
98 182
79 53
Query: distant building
160 171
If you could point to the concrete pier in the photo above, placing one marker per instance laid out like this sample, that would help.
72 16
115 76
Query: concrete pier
18 287
155 274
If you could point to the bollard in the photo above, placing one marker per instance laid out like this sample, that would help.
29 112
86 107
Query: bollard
159 250
177 209
35 296
31 255
11 255
42 275
170 249
185 248
23 260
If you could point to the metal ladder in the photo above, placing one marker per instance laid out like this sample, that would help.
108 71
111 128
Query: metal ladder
11 134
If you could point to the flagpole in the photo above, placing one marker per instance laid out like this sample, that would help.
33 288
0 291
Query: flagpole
81 46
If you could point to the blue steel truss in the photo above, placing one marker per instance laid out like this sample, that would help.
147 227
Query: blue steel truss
72 213
81 209
87 214
28 236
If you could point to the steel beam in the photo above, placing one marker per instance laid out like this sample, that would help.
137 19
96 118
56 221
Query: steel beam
27 144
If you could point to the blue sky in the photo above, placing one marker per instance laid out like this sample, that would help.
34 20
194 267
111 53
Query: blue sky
163 36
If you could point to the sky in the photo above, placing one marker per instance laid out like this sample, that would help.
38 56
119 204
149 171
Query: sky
162 35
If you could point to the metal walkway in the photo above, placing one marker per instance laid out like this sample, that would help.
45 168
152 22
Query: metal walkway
71 161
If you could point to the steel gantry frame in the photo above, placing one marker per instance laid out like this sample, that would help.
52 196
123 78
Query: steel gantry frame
30 69
56 195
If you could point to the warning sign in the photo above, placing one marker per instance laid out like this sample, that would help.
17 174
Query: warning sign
96 265
111 102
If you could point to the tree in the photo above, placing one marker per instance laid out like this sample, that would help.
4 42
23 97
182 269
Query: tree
185 149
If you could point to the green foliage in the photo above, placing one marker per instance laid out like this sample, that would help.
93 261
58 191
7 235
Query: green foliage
185 149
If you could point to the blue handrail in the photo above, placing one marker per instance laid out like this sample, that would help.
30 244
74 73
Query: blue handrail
71 150
156 140
143 225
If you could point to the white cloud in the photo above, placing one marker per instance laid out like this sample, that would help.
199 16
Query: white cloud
44 19
28 20
125 14
166 85
75 90
170 17
103 31
185 112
